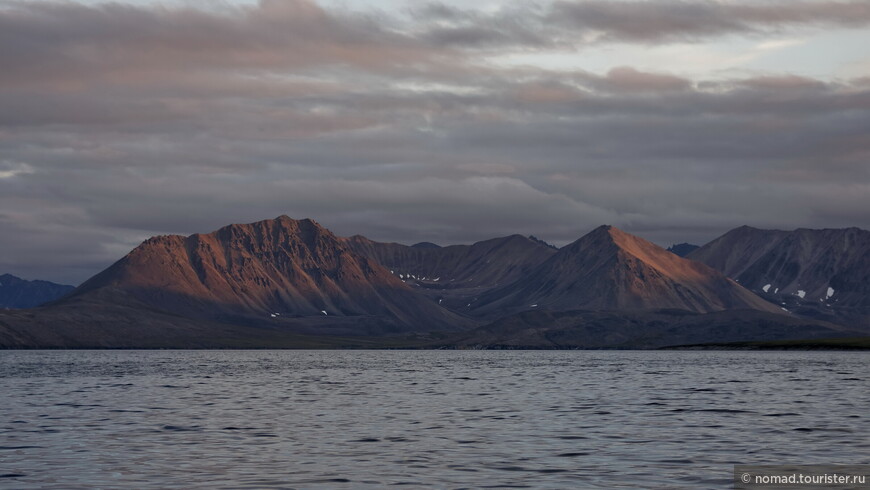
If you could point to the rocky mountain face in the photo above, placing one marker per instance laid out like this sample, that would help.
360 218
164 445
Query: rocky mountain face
483 264
454 276
819 273
609 269
20 293
289 283
264 273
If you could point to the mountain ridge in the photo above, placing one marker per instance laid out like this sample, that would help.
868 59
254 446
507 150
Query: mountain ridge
16 292
261 271
286 282
610 269
821 273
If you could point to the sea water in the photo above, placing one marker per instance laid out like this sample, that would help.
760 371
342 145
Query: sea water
446 419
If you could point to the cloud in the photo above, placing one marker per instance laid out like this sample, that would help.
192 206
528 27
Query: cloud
68 45
141 120
672 20
10 169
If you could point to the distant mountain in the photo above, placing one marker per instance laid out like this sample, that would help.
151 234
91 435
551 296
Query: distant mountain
20 293
821 273
482 265
542 242
292 283
609 269
266 273
682 249
425 245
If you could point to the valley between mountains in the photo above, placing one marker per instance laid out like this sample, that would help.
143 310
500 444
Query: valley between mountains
286 283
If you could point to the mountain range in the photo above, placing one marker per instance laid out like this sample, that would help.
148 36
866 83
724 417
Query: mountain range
821 274
21 293
293 283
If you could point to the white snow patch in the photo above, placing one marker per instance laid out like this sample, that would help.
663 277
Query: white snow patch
324 312
401 276
783 309
766 287
801 293
775 290
439 301
273 315
830 292
391 272
534 306
436 279
469 304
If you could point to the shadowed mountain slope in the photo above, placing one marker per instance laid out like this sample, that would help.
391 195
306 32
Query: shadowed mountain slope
484 264
20 293
642 329
822 273
682 249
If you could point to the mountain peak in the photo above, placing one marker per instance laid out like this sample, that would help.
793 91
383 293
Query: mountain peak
425 245
258 273
610 269
604 235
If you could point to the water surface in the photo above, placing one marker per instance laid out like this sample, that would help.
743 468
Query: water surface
450 419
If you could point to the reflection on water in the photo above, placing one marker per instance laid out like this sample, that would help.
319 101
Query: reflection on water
451 419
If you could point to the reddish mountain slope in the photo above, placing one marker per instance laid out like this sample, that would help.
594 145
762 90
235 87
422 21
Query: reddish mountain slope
248 273
611 269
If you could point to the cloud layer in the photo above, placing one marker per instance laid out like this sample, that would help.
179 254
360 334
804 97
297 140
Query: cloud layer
121 121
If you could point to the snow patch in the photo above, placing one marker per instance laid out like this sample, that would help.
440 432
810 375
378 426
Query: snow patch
775 290
533 306
439 301
324 312
830 292
273 315
766 288
783 309
801 293
436 279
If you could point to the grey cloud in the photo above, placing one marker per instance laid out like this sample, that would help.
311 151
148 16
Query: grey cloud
66 44
119 122
579 23
680 20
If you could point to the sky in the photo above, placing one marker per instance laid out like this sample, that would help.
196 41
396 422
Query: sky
409 121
